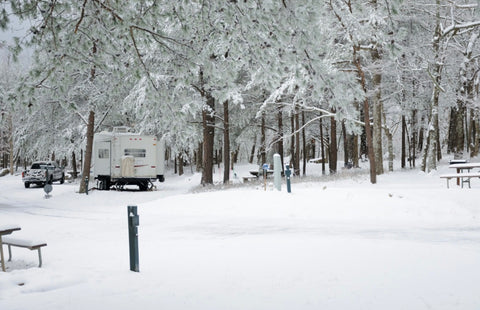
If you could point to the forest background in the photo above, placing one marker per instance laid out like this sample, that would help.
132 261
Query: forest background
239 80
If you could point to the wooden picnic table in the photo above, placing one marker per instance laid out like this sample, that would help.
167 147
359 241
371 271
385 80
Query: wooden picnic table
5 230
464 166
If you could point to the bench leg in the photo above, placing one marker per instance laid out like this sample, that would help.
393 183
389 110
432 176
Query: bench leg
9 253
466 180
39 257
2 259
448 182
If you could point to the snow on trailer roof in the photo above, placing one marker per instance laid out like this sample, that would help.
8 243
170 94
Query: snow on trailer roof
122 130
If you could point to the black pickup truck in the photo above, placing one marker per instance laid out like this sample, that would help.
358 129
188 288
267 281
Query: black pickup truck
37 173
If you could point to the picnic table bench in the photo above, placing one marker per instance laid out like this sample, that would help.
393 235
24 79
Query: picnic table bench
23 243
17 242
5 230
463 177
461 166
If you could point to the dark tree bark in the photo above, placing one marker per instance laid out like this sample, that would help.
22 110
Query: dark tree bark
322 146
252 153
292 142
403 155
413 154
366 114
180 164
74 166
175 165
456 133
304 144
88 152
421 138
332 163
297 144
199 157
226 143
345 145
263 145
280 135
354 151
208 119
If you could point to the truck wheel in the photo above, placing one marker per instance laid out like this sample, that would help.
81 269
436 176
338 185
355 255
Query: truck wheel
27 184
62 180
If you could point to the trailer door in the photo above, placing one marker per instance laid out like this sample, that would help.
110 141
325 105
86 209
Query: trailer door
103 158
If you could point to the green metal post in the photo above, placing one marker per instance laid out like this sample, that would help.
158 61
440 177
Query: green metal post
288 172
133 222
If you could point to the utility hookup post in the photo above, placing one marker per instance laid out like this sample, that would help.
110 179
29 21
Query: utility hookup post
288 172
265 171
277 171
133 222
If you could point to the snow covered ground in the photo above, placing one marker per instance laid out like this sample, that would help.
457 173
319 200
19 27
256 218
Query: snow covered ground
339 242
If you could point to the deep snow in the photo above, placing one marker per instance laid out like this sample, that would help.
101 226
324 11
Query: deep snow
338 242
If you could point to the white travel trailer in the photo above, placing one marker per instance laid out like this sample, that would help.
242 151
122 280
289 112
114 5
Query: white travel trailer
123 158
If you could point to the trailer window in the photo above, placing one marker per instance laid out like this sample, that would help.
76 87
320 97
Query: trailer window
136 152
103 153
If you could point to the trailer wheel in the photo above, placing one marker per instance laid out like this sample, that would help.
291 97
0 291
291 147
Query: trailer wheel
143 186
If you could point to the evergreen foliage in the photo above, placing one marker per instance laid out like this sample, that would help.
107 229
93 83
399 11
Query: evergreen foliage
167 68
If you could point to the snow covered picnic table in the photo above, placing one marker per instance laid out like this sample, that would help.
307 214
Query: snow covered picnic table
5 230
461 176
24 243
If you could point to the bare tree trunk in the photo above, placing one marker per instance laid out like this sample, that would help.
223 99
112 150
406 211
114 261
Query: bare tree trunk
280 135
355 155
10 142
433 153
88 152
175 165
180 164
263 139
74 166
226 143
292 142
345 145
304 145
368 131
413 155
332 163
252 153
199 157
208 139
297 144
322 146
389 136
476 139
404 129
377 114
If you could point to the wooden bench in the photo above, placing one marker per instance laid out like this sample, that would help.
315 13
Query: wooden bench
464 177
22 243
